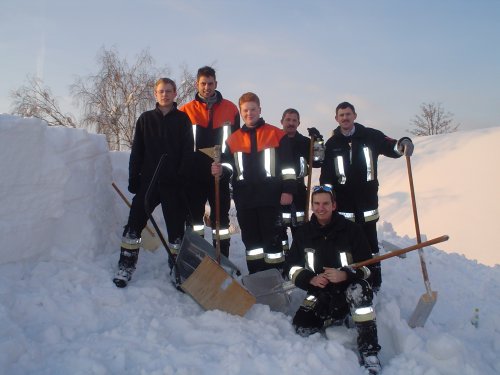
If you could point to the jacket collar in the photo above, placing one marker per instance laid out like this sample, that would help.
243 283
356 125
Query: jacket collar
359 131
259 123
218 96
336 224
158 110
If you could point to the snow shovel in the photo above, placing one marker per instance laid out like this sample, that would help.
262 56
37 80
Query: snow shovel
429 298
214 153
211 284
148 239
270 289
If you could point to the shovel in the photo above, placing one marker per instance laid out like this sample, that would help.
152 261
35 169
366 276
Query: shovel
148 239
429 298
269 288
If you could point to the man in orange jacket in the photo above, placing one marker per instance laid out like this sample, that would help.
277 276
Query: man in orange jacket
259 157
214 119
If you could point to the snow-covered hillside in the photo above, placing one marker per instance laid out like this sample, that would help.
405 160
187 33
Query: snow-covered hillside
457 180
60 313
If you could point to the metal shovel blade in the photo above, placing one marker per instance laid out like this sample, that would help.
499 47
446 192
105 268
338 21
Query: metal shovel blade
270 289
193 250
423 310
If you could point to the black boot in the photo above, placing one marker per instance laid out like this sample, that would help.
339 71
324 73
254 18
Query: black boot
368 346
129 253
376 276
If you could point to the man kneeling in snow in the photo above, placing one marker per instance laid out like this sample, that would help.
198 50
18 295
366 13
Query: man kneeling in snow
318 263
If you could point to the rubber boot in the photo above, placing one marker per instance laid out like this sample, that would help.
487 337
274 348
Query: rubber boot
368 346
129 253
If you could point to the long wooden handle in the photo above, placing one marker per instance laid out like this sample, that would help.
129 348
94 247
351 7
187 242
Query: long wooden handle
309 178
400 251
417 228
117 189
217 156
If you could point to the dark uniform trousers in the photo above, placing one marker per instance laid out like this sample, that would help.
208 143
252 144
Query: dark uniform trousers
332 305
198 196
261 232
173 206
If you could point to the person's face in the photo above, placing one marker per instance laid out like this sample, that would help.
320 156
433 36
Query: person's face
250 113
165 94
206 86
290 123
345 117
323 207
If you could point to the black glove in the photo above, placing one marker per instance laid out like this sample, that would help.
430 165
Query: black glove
134 183
405 146
313 132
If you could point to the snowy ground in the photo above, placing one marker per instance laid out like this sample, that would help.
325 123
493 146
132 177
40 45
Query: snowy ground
60 313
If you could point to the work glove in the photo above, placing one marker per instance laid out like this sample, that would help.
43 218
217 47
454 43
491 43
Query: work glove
318 150
134 183
313 132
405 146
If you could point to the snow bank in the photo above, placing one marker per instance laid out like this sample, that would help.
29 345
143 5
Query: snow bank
55 189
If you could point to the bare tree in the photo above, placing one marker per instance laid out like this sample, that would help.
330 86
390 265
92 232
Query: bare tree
432 120
186 88
36 100
114 98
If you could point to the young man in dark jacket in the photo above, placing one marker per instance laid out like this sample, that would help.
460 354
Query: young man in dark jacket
164 130
318 262
259 157
294 214
214 119
350 166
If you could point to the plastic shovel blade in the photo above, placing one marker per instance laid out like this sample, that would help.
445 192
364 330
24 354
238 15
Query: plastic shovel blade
423 310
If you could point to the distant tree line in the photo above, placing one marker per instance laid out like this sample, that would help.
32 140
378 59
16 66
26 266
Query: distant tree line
118 93
112 99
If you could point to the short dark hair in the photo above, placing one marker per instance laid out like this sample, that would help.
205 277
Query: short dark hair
206 71
166 81
344 105
290 111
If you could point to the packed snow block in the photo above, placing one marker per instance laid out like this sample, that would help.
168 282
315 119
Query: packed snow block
55 189
214 289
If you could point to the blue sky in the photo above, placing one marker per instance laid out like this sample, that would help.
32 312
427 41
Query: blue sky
385 57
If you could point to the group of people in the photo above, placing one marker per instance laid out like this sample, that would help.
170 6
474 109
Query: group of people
266 167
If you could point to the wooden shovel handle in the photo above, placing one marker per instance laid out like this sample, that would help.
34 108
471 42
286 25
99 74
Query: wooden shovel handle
399 252
309 178
217 157
417 227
